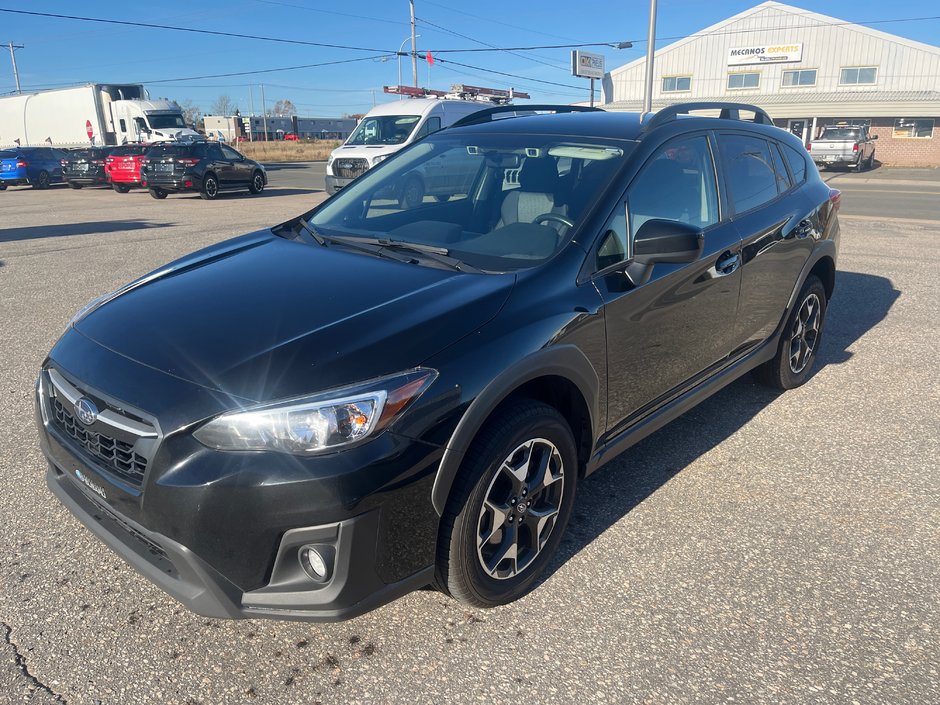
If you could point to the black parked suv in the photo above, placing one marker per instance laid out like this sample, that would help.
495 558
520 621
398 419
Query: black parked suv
207 167
309 421
85 167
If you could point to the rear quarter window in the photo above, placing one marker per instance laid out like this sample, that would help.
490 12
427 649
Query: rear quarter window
797 162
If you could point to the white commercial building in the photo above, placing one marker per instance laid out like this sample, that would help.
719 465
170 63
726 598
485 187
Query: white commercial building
806 70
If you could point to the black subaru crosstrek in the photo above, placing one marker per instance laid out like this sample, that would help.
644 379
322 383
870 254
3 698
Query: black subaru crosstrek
85 167
313 419
207 167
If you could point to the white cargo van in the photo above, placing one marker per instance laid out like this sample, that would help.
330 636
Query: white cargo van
388 128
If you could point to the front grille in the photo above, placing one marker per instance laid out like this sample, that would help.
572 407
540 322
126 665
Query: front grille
349 168
118 457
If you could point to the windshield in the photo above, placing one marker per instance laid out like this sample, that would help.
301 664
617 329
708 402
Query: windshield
163 122
840 133
498 202
384 129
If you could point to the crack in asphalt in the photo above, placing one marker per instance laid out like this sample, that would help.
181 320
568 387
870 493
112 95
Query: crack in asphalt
24 670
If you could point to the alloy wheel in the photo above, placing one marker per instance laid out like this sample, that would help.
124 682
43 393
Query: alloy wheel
804 334
520 509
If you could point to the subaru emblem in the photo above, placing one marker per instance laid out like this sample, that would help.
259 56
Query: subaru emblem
86 411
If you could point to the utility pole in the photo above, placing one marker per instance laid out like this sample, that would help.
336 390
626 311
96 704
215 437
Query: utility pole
264 114
14 47
414 51
251 115
650 51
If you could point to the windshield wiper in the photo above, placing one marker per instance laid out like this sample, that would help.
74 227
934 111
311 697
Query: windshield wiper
436 254
318 238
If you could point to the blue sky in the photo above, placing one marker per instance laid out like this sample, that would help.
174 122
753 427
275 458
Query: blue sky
59 51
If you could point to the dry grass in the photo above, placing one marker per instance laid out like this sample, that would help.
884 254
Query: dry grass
288 151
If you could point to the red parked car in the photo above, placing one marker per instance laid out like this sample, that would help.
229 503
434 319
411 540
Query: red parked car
123 166
291 137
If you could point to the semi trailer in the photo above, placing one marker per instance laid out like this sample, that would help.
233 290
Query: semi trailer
92 114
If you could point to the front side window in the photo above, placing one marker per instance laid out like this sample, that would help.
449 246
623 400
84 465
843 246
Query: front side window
675 84
913 127
804 77
749 170
677 183
498 202
743 80
858 76
230 153
384 129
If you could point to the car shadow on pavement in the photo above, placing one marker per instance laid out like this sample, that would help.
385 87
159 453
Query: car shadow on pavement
269 192
859 303
65 229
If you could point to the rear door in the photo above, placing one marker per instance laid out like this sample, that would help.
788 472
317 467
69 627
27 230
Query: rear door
665 334
775 219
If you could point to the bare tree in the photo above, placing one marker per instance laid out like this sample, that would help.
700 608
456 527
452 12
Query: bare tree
283 108
224 106
191 112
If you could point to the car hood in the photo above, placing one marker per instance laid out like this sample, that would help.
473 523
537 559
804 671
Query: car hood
265 318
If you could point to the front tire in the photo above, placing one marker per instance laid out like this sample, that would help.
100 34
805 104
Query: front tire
509 507
257 183
210 188
799 343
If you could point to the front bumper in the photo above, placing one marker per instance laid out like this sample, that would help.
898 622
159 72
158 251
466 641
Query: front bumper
221 532
352 589
334 184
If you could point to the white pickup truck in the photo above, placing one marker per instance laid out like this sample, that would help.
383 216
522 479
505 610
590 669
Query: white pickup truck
844 145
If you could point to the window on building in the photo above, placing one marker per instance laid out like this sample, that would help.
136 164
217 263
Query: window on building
743 80
802 77
750 170
858 76
674 84
913 127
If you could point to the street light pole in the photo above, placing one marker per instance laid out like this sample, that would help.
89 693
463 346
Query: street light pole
401 48
650 51
16 74
414 54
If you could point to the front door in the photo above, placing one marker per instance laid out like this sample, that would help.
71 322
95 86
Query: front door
798 128
663 334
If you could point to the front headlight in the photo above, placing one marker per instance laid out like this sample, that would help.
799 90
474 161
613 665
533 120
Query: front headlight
319 423
380 158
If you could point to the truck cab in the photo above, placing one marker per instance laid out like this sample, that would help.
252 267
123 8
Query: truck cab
148 121
388 128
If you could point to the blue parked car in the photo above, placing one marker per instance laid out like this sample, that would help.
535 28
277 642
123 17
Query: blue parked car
37 166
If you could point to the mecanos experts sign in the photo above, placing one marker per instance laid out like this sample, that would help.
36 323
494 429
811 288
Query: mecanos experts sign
768 54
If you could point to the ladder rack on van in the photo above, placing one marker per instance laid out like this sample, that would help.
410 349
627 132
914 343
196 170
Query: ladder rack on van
460 91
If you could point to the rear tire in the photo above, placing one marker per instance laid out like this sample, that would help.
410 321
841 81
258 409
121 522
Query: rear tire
871 160
210 188
509 506
121 188
42 181
257 183
74 185
800 340
157 193
3 186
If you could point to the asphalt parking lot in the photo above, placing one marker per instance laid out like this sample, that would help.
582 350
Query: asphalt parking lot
763 548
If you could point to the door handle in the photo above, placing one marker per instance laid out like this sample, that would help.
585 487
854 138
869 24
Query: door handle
727 263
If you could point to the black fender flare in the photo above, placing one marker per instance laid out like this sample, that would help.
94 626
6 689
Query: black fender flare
565 361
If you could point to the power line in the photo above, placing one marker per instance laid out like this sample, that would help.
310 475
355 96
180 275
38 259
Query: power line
330 12
489 19
193 30
257 71
511 75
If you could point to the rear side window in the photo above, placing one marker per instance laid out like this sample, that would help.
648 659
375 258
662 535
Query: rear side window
749 169
797 163
780 169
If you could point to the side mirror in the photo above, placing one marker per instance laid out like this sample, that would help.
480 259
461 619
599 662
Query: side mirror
874 137
667 241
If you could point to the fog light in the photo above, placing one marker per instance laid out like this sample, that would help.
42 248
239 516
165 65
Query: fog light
317 562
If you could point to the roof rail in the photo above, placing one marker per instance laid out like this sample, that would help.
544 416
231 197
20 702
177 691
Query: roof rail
729 111
487 115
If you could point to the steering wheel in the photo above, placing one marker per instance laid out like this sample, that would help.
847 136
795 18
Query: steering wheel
557 218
